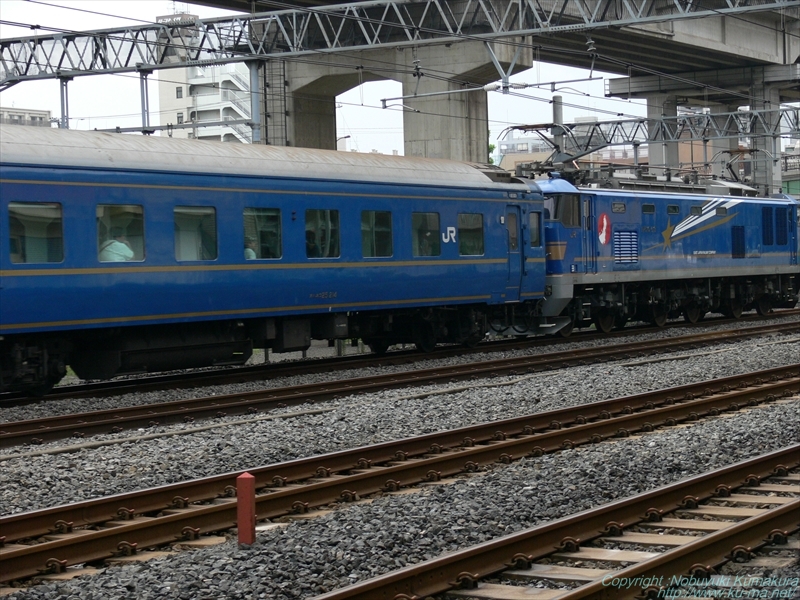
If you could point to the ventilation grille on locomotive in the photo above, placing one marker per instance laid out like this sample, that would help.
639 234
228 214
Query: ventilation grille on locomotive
626 247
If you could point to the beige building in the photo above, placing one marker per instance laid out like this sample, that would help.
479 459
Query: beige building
25 116
196 95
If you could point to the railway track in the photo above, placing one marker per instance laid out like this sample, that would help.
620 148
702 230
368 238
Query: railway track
723 515
117 420
52 539
322 365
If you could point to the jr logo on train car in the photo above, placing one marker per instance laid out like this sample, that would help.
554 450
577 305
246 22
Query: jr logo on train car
449 235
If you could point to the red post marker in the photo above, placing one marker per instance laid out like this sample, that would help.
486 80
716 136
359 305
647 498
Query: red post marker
246 508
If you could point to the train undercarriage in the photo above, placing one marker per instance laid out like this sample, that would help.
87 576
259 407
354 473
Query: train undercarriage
34 364
610 306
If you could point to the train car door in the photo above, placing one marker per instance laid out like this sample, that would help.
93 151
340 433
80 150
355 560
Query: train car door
794 213
513 226
589 239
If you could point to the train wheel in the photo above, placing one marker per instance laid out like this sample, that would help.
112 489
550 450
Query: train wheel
425 339
378 347
692 312
567 329
604 321
763 305
658 315
733 309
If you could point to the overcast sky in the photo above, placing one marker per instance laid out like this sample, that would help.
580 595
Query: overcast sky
106 101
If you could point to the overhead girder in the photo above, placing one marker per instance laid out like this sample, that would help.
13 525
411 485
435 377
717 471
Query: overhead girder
561 25
583 138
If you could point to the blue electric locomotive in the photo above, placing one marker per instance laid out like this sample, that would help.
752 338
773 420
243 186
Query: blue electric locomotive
122 254
613 255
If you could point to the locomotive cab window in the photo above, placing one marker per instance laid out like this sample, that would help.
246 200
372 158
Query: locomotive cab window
673 209
648 209
425 234
120 232
36 232
565 208
470 234
618 207
322 233
195 233
697 210
262 233
376 233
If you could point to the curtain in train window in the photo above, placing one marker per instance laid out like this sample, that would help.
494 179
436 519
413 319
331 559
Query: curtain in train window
262 233
425 234
470 234
36 233
120 232
534 227
195 233
322 233
376 233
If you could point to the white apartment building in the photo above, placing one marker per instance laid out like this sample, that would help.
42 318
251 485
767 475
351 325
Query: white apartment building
208 94
25 116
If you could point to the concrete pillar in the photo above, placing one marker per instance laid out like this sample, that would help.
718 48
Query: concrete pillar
301 98
662 155
766 167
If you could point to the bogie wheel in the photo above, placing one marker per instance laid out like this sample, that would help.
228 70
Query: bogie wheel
565 331
733 309
763 305
658 315
692 312
378 347
425 339
604 321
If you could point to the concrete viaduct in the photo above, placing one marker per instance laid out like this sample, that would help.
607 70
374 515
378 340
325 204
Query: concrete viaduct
722 54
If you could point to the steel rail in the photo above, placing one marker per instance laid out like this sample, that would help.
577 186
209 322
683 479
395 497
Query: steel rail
712 549
483 560
35 523
340 476
115 420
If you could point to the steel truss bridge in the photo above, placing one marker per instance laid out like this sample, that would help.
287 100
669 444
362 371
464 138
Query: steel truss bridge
357 26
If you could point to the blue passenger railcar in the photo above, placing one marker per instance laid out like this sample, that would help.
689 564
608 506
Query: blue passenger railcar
126 254
616 254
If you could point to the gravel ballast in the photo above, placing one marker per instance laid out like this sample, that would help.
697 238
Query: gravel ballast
307 558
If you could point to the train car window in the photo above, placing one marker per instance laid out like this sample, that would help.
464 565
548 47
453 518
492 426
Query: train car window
513 231
697 210
470 234
568 210
195 233
120 232
36 232
618 207
781 226
425 234
534 224
673 209
322 233
376 233
648 209
262 233
767 232
722 211
737 242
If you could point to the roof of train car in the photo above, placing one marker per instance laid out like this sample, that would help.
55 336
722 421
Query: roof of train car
68 148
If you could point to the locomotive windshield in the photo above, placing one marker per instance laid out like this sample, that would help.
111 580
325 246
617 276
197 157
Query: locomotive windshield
564 208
